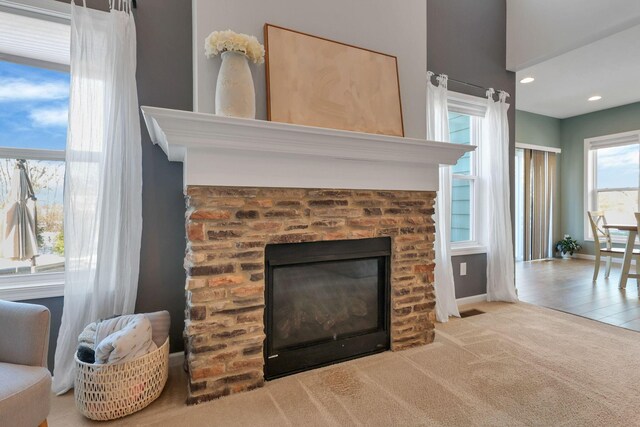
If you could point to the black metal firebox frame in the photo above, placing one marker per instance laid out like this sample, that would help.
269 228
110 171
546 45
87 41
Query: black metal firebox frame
299 358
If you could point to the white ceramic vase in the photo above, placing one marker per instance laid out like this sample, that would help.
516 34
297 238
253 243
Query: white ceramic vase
235 94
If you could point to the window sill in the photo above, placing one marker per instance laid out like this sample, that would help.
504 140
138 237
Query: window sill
618 241
468 250
28 288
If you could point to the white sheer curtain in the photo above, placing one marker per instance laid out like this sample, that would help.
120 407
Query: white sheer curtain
438 130
103 183
496 235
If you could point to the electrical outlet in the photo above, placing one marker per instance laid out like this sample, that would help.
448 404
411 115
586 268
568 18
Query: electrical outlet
463 268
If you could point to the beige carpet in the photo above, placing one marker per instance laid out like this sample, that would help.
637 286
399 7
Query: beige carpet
515 365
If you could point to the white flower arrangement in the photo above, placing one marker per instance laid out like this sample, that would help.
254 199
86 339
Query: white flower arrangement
229 41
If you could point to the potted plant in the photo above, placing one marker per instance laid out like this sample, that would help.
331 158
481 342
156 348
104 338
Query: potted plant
567 246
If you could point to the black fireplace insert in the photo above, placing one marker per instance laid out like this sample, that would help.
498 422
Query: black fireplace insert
325 302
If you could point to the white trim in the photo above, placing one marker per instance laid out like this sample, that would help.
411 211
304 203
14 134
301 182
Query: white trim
271 154
474 299
471 246
56 11
614 140
31 286
34 62
589 170
31 154
467 104
469 249
538 147
176 359
586 186
614 260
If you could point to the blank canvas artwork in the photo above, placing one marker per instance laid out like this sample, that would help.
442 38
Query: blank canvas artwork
318 82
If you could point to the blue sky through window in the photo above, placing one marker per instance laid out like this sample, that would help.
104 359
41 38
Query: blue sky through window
618 167
33 107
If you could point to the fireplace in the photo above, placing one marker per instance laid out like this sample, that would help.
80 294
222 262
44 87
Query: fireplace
256 257
252 186
325 302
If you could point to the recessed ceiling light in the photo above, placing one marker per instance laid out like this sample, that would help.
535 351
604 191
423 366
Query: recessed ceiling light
527 80
595 98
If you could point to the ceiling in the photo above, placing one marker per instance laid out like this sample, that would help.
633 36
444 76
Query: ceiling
574 49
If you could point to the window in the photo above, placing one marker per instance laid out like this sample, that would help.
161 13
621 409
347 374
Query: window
612 178
466 114
463 180
34 98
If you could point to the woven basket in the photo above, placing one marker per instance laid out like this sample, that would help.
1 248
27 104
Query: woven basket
107 392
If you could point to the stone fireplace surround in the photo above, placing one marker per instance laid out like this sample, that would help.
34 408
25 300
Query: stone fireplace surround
250 183
227 230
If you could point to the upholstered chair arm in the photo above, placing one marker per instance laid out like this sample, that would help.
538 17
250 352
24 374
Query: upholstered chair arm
24 333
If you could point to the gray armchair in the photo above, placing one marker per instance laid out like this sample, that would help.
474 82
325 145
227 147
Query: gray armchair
25 381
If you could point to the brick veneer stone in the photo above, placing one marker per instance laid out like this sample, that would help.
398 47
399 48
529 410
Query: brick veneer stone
227 230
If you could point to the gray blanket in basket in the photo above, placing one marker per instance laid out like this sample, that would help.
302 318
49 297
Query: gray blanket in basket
123 338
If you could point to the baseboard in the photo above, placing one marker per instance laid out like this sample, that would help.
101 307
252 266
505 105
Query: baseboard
471 300
176 359
614 260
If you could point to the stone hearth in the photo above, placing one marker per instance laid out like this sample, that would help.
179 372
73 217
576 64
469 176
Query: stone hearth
227 230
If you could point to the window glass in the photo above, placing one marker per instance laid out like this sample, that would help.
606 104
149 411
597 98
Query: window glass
618 167
460 133
461 205
33 107
618 206
462 198
47 182
33 115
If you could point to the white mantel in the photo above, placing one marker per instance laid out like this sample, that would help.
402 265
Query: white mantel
227 151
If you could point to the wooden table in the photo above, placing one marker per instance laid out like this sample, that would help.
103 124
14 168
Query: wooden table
632 232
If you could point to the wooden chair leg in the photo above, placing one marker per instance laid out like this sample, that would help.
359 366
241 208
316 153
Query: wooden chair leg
606 276
44 423
596 269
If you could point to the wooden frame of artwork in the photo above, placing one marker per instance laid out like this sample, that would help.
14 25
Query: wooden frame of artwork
315 81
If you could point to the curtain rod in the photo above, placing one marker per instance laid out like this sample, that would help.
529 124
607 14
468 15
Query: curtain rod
469 84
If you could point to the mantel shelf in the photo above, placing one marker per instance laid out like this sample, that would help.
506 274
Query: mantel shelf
220 150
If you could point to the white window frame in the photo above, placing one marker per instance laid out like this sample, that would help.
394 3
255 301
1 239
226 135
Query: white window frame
475 107
24 287
590 173
21 287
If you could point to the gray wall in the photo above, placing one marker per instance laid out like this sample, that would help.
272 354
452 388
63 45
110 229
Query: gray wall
466 39
164 78
574 130
393 27
475 281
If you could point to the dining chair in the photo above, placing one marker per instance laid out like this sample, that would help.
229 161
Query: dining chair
602 243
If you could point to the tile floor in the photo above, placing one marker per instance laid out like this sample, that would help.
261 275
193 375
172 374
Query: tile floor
566 285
